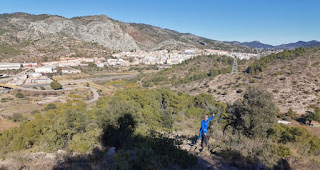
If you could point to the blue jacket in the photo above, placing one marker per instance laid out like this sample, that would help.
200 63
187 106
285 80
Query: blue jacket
204 126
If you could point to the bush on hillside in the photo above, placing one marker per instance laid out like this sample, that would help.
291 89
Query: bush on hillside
314 115
55 85
285 134
292 114
19 95
255 114
17 117
35 112
50 107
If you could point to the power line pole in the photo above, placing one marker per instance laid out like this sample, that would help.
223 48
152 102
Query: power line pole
235 66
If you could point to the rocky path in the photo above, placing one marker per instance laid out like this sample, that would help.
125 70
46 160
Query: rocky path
205 162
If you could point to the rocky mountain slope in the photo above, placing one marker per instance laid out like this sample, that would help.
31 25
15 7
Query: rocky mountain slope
31 36
257 44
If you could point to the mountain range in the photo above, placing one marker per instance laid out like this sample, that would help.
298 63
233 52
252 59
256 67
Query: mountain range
31 36
257 44
34 38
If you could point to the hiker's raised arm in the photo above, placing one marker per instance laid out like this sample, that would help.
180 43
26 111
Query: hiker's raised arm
210 118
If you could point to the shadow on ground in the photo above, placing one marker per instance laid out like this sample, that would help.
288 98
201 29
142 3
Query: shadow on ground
122 149
125 150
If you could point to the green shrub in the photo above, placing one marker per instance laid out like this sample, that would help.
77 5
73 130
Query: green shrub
50 106
283 151
292 114
314 115
255 114
19 95
285 134
3 100
17 117
253 81
55 85
35 112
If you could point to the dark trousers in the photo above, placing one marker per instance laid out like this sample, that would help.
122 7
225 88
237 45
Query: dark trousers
204 140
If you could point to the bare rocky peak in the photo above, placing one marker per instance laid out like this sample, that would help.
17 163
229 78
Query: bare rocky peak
95 29
104 31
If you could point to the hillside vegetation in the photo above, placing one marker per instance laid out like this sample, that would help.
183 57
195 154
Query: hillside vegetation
196 69
260 65
128 121
292 76
135 121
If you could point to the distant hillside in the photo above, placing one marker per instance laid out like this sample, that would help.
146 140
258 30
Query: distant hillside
30 37
291 76
257 44
199 68
299 44
252 44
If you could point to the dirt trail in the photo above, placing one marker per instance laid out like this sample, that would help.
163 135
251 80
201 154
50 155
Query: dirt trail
205 162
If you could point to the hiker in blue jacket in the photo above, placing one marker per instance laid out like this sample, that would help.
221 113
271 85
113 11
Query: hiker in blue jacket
204 131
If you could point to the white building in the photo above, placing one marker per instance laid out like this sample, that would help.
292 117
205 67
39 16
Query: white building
10 66
174 61
87 60
283 122
114 62
51 63
29 65
39 80
46 69
35 75
100 65
70 63
190 51
69 70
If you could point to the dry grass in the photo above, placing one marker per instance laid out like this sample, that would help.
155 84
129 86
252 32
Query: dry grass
23 106
293 83
7 124
223 87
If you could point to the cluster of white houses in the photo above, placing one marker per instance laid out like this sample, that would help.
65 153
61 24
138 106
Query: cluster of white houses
162 58
165 57
159 57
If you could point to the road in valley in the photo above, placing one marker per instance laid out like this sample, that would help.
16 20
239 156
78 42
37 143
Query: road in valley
17 75
95 95
93 90
83 80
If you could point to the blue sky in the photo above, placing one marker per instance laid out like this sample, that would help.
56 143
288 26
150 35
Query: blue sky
269 21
